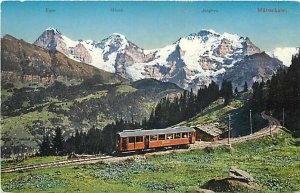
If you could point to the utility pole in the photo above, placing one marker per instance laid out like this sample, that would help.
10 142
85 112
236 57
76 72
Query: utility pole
271 125
283 117
229 129
251 122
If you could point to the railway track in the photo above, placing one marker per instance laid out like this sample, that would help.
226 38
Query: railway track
54 164
273 127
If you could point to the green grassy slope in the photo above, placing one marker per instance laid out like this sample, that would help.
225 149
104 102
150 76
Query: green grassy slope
218 113
273 161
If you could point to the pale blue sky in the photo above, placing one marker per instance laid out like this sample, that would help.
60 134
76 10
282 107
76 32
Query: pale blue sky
154 24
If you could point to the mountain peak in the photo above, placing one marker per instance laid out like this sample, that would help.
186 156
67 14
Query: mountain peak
118 37
208 31
231 36
115 39
55 30
10 37
204 33
53 40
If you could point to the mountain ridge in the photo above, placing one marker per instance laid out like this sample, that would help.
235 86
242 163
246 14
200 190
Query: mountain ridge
192 61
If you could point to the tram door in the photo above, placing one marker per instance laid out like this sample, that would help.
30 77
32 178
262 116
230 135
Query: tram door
146 142
124 143
190 137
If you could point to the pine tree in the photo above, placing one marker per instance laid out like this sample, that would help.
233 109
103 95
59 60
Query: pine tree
77 141
236 91
191 105
45 146
58 141
93 140
226 91
245 87
70 145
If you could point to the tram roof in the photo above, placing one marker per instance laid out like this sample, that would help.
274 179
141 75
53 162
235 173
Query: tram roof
139 132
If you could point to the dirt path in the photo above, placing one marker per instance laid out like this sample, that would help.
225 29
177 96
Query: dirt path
273 127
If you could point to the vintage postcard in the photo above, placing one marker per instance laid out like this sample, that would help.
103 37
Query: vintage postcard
150 96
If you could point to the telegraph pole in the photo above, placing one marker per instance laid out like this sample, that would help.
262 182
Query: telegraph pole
271 126
229 129
251 122
283 117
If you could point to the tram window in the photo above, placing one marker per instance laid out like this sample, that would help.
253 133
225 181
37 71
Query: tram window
139 139
131 139
170 136
153 137
185 135
162 137
177 135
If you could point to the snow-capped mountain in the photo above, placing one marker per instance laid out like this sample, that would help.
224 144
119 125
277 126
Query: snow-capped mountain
284 54
112 54
194 60
52 39
191 62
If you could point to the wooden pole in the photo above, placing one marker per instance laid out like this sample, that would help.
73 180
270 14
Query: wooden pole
251 122
283 117
229 129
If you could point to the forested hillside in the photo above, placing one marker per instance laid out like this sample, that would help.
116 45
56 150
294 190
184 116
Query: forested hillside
28 112
281 95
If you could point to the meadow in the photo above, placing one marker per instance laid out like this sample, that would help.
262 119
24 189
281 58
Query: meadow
274 162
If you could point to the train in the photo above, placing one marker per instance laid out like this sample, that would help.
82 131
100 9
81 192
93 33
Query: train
139 140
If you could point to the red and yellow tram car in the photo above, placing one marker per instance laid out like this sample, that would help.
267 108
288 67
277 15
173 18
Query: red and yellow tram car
132 140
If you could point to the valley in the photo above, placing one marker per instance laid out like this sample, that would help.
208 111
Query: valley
28 112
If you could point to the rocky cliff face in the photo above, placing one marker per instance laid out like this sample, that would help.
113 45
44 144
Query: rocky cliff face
52 40
223 49
250 47
256 67
81 53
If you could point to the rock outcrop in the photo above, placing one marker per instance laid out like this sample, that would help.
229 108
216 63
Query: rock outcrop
200 190
238 180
